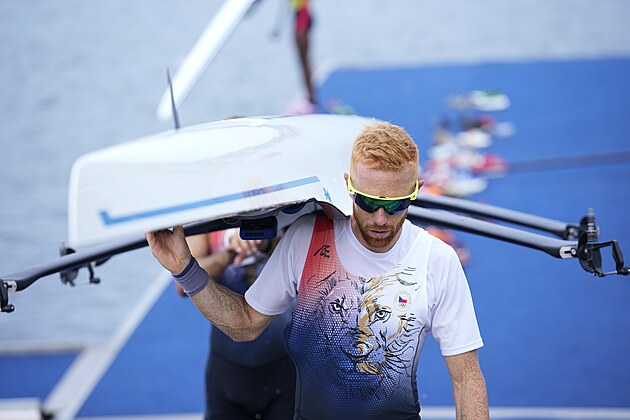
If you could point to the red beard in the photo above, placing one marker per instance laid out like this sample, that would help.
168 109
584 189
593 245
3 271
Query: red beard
379 242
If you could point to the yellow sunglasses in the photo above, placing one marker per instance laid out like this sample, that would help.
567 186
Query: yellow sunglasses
371 203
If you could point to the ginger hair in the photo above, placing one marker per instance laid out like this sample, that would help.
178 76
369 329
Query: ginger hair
385 147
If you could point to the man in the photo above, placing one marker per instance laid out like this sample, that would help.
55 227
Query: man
367 291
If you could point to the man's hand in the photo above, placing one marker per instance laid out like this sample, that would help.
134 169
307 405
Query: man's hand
170 248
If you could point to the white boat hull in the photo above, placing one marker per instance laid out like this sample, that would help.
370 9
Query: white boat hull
210 171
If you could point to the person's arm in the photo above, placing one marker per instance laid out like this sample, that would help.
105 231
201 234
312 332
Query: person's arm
469 386
230 312
226 309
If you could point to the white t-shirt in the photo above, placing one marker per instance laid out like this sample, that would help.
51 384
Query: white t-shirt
452 319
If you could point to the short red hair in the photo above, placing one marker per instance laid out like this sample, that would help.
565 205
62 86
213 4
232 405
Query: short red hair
384 146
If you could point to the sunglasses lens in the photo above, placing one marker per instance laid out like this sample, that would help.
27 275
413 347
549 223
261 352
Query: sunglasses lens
365 203
371 205
402 206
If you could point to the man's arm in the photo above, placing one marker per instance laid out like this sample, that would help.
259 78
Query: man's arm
226 309
469 386
230 312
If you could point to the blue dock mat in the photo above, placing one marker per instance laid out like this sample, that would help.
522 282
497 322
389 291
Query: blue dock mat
32 375
161 368
554 336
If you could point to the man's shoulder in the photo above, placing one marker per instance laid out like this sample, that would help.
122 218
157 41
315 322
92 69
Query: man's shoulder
305 221
300 228
439 248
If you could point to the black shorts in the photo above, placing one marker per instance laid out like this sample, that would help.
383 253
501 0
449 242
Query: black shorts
236 392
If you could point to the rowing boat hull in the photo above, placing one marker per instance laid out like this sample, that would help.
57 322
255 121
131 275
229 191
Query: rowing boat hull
216 170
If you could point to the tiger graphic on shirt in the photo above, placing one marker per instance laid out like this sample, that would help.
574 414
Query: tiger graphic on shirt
361 331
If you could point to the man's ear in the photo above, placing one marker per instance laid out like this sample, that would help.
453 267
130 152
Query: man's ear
420 183
346 176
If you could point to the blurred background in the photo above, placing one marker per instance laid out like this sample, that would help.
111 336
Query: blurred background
80 76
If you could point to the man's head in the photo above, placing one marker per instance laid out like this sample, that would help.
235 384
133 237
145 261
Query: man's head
383 165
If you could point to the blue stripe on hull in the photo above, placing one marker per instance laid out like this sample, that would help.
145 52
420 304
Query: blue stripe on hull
110 220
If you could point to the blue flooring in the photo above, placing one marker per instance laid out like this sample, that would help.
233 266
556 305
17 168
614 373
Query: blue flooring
559 107
32 375
554 335
161 369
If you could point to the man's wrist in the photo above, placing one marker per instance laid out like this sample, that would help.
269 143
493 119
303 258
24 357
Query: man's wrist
193 278
185 270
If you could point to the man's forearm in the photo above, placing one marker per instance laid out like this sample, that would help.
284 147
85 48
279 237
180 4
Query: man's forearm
469 386
471 397
228 311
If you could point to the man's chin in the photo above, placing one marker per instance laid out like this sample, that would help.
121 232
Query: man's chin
378 241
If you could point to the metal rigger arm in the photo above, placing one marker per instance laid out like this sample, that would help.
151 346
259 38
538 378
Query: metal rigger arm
586 248
70 262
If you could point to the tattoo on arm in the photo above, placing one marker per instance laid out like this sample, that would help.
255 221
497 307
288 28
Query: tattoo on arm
227 303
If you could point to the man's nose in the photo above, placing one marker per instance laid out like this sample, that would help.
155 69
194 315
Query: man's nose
380 217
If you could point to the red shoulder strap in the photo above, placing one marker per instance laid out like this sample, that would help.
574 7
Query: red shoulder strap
321 252
323 234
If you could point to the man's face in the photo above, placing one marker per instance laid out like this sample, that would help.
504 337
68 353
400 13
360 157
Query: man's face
379 231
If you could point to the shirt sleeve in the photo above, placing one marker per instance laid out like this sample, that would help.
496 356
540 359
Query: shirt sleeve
276 287
454 323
